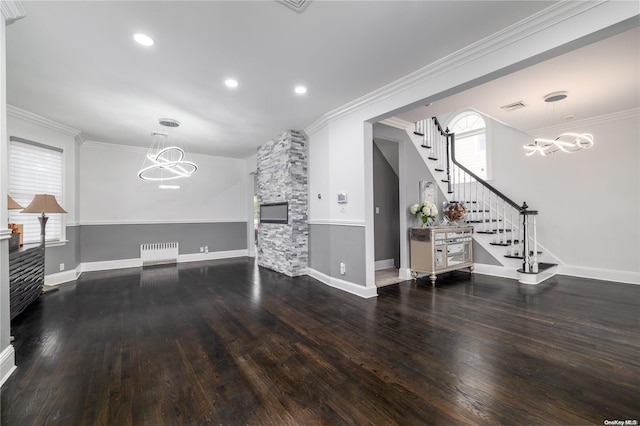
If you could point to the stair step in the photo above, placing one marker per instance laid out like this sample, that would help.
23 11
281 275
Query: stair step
493 231
541 268
439 170
419 134
479 211
426 146
507 244
485 221
432 158
519 257
447 181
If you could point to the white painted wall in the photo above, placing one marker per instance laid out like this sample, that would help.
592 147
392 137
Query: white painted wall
342 131
589 202
319 177
111 192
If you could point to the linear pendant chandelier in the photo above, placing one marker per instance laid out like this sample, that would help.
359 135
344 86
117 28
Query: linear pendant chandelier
568 142
166 160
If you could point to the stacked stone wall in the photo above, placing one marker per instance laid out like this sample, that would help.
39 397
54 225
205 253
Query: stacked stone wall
282 177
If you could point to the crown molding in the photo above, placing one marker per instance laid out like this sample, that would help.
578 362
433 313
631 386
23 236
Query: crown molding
114 147
592 121
536 23
12 10
398 123
39 120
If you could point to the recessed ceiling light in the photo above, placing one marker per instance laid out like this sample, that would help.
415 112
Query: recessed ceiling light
231 82
163 186
143 39
301 90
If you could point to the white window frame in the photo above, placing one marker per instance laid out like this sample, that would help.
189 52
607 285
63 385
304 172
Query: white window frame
56 225
487 135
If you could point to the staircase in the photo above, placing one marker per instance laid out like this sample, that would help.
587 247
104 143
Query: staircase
506 229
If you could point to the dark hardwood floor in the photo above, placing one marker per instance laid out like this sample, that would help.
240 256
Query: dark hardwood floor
225 342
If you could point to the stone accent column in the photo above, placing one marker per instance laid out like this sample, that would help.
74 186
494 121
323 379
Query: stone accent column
282 177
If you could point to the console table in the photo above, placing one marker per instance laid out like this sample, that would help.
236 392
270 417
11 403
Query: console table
26 278
437 249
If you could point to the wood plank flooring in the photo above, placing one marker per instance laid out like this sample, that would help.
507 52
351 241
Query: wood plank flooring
225 342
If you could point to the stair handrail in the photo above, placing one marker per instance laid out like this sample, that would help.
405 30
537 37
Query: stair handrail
450 138
530 260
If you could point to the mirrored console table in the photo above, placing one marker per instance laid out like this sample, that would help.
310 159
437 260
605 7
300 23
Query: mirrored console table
437 249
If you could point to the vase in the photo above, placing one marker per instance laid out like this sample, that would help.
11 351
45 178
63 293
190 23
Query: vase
454 212
426 221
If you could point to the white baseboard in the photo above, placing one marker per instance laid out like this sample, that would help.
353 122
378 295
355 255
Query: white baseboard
405 274
385 264
495 271
212 255
349 287
7 363
61 277
137 263
627 277
107 265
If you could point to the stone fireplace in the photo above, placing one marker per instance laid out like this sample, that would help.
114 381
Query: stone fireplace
283 245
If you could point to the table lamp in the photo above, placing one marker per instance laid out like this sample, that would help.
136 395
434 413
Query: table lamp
12 204
43 203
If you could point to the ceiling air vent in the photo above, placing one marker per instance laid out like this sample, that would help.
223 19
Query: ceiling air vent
297 5
514 106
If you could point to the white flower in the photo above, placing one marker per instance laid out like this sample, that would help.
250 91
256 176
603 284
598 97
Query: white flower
413 209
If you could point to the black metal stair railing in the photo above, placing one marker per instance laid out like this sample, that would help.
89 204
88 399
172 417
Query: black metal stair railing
489 210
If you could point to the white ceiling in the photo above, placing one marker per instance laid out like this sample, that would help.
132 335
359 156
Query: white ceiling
75 62
601 78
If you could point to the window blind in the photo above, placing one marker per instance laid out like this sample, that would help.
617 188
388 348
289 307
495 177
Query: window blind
35 168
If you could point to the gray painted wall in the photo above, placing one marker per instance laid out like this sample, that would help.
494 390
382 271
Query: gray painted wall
482 256
117 242
331 244
386 203
69 254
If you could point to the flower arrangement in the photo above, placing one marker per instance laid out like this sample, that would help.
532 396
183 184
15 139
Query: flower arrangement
14 228
454 212
427 211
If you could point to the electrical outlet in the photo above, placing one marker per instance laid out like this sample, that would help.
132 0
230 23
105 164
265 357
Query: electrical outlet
343 269
62 266
201 249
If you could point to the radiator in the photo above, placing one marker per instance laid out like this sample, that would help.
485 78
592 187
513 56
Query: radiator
158 253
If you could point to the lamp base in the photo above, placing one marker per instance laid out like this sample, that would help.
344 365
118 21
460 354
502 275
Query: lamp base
43 224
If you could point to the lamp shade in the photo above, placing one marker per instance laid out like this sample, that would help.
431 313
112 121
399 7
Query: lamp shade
43 203
12 204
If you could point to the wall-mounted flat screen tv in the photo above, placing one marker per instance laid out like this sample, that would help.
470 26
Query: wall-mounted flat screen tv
274 213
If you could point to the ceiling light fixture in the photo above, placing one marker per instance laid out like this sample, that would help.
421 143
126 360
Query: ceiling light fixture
166 161
143 39
300 90
568 142
231 82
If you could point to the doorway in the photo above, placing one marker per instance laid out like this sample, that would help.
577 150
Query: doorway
386 198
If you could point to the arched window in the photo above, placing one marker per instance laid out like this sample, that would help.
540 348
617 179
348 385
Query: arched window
471 142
